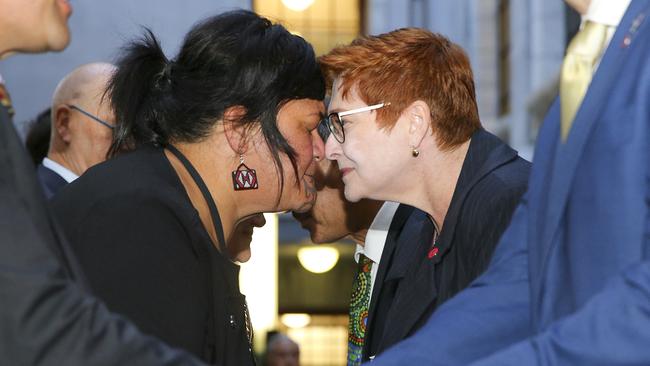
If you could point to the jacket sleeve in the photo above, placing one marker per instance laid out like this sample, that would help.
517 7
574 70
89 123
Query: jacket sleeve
491 314
613 328
46 319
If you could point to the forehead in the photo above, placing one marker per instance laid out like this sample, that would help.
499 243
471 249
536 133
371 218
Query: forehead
338 103
303 107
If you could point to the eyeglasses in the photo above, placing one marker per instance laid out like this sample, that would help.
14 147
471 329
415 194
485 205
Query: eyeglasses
334 121
92 116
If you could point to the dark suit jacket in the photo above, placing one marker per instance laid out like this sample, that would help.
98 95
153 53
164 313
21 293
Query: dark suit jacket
410 285
51 181
46 316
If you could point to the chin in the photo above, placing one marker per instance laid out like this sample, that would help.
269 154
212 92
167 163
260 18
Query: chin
351 195
243 257
59 42
316 237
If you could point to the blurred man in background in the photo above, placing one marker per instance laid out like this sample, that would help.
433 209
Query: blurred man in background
82 126
282 351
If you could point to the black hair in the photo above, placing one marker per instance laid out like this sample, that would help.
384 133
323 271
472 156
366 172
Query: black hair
236 58
37 141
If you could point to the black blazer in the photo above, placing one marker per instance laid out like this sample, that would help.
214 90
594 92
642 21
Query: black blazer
409 284
51 181
47 317
146 254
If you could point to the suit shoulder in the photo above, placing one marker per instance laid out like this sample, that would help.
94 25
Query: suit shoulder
111 187
513 173
499 191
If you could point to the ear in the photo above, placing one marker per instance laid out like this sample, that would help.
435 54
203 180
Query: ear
419 118
236 133
61 123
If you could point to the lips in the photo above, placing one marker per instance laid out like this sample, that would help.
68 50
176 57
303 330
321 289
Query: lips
345 171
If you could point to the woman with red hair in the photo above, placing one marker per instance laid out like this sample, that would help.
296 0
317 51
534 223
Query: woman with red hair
405 127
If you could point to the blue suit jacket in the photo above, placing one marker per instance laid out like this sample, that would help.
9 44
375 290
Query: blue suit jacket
569 283
50 181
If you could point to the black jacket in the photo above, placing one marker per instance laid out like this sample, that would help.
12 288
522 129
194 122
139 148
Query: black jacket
146 254
410 283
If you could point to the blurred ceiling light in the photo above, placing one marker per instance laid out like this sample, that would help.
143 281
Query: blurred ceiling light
318 259
295 320
297 5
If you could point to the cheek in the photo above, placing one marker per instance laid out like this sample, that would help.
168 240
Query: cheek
304 154
367 152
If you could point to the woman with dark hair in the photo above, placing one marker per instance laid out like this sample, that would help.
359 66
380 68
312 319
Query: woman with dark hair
223 131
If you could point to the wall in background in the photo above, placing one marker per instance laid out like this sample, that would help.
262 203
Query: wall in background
99 29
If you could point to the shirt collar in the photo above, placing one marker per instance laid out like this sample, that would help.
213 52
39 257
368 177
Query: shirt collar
2 81
607 12
59 169
377 233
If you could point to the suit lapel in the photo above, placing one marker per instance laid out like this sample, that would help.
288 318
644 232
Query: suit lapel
387 257
569 153
417 289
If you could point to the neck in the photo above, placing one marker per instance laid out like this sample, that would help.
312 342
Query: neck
360 217
214 164
359 237
201 157
443 168
67 160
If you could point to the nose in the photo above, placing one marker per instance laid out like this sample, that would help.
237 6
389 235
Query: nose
318 146
332 148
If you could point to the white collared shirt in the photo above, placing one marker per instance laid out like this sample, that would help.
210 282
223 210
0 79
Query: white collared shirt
2 81
376 238
59 169
607 12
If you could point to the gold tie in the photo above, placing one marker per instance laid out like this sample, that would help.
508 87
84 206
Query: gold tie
577 69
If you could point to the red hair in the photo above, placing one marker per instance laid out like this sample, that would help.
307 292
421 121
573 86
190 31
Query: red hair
406 65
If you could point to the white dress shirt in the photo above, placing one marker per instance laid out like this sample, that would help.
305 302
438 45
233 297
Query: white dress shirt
607 12
59 169
376 238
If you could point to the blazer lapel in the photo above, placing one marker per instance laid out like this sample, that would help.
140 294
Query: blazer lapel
569 153
387 257
417 289
396 226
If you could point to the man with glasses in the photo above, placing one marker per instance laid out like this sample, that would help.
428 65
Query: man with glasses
82 127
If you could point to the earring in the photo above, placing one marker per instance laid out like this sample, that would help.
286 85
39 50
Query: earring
244 178
415 152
